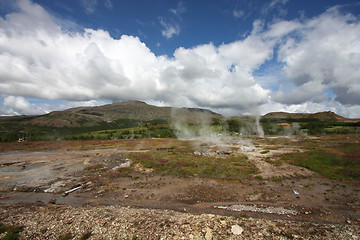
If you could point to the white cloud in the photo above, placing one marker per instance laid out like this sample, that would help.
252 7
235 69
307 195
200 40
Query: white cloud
282 28
300 94
19 106
169 29
170 25
248 54
54 64
40 60
325 52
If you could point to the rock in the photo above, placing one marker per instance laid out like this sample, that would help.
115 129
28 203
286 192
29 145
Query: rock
236 229
56 187
208 234
52 201
223 223
125 164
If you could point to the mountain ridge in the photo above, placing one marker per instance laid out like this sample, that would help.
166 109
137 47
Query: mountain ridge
138 110
153 121
90 116
322 116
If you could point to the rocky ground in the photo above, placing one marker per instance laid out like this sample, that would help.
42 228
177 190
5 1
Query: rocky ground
279 201
41 221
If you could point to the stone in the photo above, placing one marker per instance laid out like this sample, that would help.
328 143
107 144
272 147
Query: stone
236 229
208 234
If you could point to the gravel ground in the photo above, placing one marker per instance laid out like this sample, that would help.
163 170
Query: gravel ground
40 221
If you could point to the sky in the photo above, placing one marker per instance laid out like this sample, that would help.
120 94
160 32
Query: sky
235 57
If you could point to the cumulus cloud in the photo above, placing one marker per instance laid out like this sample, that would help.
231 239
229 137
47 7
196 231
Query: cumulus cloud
324 53
41 60
282 28
17 105
55 64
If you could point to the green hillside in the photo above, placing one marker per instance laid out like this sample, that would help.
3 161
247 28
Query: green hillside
135 119
130 114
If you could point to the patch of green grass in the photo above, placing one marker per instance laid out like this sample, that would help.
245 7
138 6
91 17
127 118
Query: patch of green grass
342 129
326 164
146 130
12 232
350 150
186 164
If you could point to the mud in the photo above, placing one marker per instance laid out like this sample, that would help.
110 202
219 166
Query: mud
30 178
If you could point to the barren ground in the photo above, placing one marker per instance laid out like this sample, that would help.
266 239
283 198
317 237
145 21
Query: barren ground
279 201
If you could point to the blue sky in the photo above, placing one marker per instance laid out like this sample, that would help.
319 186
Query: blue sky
199 22
235 57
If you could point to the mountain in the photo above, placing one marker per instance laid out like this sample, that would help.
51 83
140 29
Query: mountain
322 116
92 116
141 111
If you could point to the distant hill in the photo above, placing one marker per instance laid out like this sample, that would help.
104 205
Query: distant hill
322 116
92 116
141 111
146 120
